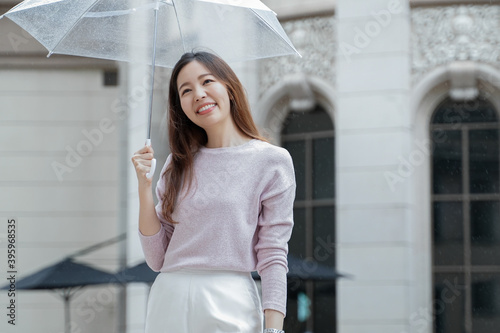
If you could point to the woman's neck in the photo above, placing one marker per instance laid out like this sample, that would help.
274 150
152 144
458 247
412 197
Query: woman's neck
225 137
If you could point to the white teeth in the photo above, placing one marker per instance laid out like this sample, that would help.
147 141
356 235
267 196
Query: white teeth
206 107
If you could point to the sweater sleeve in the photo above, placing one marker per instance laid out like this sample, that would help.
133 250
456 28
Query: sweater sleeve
155 246
274 231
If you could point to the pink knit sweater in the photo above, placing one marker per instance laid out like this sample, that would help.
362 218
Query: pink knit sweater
237 216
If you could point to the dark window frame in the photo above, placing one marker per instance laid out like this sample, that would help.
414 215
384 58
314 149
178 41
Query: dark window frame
309 203
461 278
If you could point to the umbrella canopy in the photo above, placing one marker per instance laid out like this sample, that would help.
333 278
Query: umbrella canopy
67 277
235 30
298 269
305 269
64 274
137 273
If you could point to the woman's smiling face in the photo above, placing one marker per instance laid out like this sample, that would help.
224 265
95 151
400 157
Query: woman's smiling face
204 98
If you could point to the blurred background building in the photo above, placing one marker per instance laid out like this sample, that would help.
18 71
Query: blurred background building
391 117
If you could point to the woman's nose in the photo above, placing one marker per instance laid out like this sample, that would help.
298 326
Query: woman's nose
200 94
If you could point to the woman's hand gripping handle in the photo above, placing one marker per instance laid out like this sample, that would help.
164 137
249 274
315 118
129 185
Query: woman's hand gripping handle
145 164
151 172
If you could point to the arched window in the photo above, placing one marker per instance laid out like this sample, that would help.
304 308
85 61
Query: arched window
466 217
309 137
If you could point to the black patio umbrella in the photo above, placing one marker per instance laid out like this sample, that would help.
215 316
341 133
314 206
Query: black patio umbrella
307 269
298 269
67 277
137 273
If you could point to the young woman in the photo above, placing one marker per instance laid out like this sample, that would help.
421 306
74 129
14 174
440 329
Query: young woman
225 209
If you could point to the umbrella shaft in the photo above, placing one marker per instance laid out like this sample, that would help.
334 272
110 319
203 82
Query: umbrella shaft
67 315
153 61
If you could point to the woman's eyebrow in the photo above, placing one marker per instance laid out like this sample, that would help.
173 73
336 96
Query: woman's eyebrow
199 77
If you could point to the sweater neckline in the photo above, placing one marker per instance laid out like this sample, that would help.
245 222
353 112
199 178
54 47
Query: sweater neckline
224 149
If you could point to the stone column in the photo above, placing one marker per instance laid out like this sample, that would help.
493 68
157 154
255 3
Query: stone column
136 103
374 209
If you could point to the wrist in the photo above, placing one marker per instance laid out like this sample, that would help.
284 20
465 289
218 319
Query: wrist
144 185
145 192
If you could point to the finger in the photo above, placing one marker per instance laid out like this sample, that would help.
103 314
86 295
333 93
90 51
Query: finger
149 149
147 156
140 163
143 150
142 168
143 157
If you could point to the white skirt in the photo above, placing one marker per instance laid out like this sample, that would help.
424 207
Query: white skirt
194 301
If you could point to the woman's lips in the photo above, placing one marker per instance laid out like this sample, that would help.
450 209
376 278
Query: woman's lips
206 108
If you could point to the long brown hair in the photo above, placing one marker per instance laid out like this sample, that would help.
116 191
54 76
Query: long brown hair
185 137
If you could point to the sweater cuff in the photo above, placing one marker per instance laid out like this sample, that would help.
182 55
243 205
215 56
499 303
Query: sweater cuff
274 288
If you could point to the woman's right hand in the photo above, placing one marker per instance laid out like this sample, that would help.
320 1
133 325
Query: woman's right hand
142 163
149 224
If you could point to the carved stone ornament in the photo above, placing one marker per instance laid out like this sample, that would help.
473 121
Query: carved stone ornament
441 35
314 38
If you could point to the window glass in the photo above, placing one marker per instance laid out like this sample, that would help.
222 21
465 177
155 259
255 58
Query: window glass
324 306
295 320
448 233
447 162
323 168
476 111
485 294
449 303
297 150
483 161
324 235
485 232
305 122
297 243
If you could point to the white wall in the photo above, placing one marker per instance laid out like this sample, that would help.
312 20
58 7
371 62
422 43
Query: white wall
44 114
286 9
373 213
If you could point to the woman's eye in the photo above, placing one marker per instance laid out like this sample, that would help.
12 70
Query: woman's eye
207 81
185 92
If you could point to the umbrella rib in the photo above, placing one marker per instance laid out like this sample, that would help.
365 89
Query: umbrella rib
74 290
74 24
179 26
68 292
153 62
277 32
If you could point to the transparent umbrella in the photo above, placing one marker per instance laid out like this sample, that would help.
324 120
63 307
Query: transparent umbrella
236 30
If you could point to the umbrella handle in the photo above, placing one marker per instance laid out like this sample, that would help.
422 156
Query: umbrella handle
151 172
